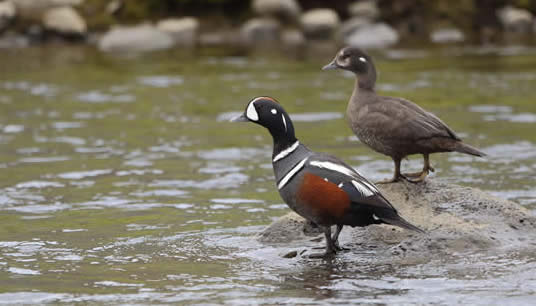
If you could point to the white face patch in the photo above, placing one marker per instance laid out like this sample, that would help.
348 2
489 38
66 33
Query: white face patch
251 112
274 111
364 60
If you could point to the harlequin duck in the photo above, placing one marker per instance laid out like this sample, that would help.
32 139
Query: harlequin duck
317 186
393 126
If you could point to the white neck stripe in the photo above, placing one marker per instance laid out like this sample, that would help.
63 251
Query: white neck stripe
291 173
286 152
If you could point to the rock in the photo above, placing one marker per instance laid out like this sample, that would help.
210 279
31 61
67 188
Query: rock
293 38
367 8
113 7
447 35
260 31
182 30
378 35
320 23
515 19
221 38
456 220
64 20
140 38
351 25
285 9
35 8
11 40
7 13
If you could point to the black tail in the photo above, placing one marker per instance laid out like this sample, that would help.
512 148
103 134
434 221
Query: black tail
400 222
467 149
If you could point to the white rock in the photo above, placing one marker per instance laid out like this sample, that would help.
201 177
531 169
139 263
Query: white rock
447 35
289 9
378 35
36 8
64 20
182 30
261 30
293 38
320 23
140 38
7 13
366 8
515 19
351 25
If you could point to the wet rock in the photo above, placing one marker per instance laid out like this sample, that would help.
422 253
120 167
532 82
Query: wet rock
447 35
7 13
457 219
35 8
261 31
140 38
351 25
293 38
378 35
115 6
182 30
515 20
65 21
320 24
221 38
284 9
367 8
12 40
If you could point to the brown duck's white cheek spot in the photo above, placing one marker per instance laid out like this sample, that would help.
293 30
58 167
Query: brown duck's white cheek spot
364 60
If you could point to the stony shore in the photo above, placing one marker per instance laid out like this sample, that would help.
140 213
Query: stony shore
269 23
457 220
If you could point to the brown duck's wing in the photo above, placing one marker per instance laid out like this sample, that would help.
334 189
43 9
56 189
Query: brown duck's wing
403 118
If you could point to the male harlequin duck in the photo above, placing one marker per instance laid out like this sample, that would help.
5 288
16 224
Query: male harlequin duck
393 126
317 186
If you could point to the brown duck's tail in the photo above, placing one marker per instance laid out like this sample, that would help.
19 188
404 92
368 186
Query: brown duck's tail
467 149
400 222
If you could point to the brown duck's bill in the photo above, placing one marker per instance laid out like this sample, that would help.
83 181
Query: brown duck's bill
330 66
240 118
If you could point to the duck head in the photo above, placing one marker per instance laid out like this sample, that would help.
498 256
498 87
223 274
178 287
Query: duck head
357 61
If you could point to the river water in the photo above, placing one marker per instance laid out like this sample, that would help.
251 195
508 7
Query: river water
122 180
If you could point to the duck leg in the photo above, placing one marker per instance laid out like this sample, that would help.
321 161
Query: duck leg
335 238
420 176
331 248
397 175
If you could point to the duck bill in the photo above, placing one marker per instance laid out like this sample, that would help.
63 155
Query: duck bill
240 118
330 66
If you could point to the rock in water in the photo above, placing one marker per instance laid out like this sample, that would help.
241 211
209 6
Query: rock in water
515 19
285 9
457 219
139 38
320 24
378 35
182 30
261 31
65 21
7 13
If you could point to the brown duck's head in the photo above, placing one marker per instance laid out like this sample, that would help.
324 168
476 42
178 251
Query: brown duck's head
352 59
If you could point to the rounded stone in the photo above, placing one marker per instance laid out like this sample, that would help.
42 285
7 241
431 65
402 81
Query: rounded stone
373 36
140 38
64 20
320 23
286 9
447 35
261 30
182 30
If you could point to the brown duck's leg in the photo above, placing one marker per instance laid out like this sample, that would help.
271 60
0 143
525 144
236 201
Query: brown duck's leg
335 239
331 249
397 175
420 176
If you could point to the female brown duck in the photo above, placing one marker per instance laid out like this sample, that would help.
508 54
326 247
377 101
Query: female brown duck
393 126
